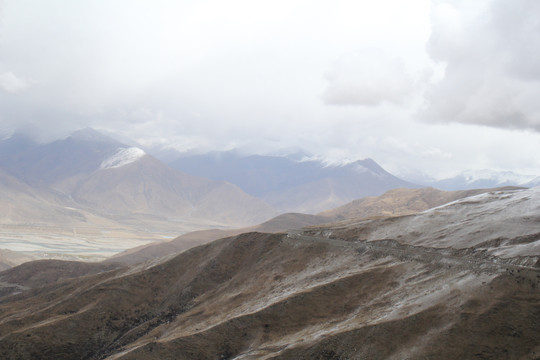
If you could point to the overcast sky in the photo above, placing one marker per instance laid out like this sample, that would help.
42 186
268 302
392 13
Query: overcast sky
420 86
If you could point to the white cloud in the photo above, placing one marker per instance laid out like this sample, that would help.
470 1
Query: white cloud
211 75
11 83
492 62
368 77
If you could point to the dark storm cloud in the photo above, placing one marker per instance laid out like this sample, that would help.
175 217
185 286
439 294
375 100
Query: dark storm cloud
492 63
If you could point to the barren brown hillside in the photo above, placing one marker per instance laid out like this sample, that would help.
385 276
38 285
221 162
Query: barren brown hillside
392 203
332 292
186 241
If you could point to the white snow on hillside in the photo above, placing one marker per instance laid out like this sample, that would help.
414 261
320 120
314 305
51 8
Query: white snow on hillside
489 220
498 177
533 182
122 157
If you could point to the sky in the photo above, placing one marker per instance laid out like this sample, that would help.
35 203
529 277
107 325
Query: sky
425 88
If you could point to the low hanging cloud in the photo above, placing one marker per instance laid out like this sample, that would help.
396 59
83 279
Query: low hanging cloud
12 84
367 78
492 63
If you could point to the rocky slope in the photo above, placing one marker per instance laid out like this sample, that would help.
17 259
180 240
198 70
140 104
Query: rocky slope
459 283
399 202
392 203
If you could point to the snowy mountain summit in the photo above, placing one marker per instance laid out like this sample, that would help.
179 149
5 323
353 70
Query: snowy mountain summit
122 157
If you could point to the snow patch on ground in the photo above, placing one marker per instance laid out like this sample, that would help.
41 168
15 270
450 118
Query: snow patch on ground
472 221
122 157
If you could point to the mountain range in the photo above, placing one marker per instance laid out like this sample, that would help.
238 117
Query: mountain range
100 173
89 196
477 179
459 281
369 271
293 185
100 196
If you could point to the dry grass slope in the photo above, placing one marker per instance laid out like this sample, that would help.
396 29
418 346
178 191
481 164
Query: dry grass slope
295 296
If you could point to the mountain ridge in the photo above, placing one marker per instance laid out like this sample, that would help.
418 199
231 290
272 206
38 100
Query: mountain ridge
324 292
308 186
393 203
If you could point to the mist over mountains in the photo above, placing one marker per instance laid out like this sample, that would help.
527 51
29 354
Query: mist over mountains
209 262
307 186
257 180
478 179
64 163
91 187
98 172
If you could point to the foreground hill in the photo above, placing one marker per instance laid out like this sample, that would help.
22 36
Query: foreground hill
455 285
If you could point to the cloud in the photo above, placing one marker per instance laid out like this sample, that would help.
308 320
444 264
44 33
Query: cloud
368 77
492 63
12 84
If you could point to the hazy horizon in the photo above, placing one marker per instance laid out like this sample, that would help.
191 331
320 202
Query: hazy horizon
436 87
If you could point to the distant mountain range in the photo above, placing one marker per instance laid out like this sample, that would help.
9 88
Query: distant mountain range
475 179
290 185
90 188
99 173
89 195
46 164
102 196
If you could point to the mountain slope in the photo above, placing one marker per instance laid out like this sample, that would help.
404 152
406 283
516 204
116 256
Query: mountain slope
534 182
294 186
326 293
12 148
89 196
502 223
401 202
257 175
340 185
9 259
80 153
346 183
184 242
392 203
474 179
38 222
148 186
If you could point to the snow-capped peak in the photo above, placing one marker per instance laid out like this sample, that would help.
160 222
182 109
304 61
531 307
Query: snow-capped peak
122 157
